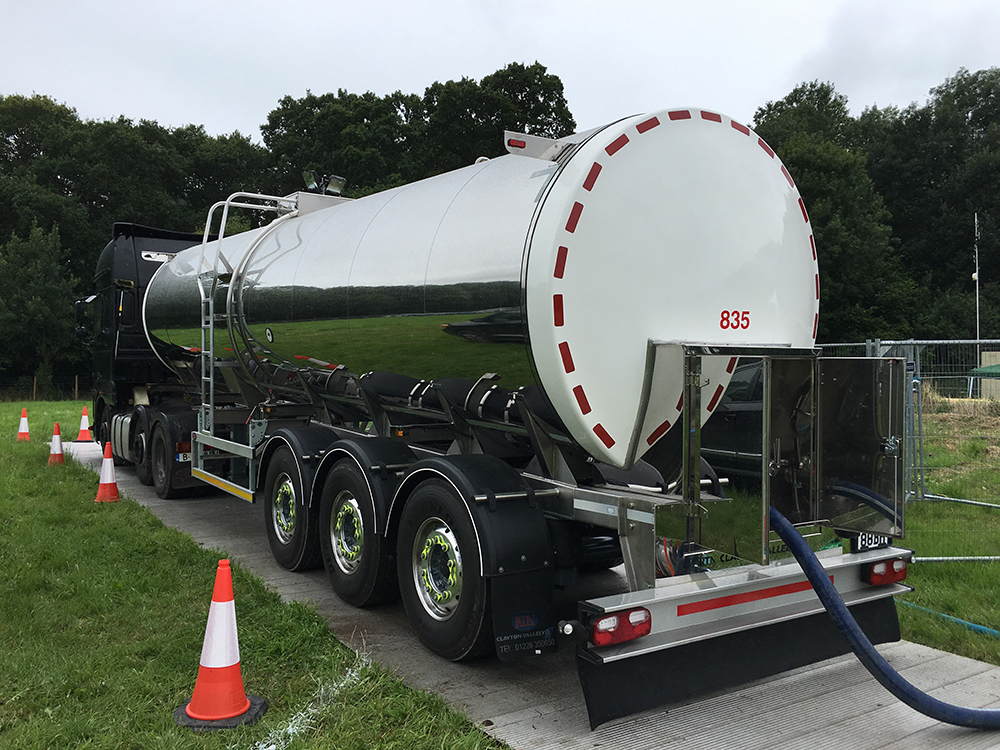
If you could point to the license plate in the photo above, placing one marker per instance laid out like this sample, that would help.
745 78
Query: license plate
864 542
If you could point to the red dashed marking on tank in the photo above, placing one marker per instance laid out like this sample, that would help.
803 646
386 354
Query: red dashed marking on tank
603 435
574 217
715 397
617 144
567 358
571 225
658 432
560 262
649 124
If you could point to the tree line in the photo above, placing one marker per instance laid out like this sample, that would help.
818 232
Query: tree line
891 193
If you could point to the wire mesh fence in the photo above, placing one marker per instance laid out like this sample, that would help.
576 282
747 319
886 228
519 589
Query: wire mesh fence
953 401
56 388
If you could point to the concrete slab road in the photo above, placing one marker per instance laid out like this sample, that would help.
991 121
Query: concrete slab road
538 704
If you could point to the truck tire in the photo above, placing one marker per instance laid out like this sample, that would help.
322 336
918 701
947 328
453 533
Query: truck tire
161 460
289 523
143 464
438 563
358 561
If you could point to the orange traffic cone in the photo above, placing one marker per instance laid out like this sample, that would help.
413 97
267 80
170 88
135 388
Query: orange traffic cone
219 700
56 451
22 430
107 489
84 428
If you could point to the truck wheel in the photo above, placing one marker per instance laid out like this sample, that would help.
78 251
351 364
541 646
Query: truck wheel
143 465
290 524
162 463
445 596
358 562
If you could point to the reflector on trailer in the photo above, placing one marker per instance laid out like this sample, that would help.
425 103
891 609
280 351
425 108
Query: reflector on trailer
515 143
621 627
887 571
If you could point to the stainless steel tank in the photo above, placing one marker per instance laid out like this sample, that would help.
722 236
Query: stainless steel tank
681 225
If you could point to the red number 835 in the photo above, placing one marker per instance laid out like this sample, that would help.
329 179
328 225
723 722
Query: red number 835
734 319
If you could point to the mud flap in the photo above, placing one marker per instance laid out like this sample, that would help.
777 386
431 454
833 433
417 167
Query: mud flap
524 623
628 686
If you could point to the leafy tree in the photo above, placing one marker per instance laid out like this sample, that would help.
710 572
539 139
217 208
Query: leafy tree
36 324
864 291
937 166
380 142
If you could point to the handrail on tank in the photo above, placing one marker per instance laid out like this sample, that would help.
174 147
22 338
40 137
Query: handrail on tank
206 415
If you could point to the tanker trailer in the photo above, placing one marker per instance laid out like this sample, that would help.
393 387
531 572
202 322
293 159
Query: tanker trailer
467 390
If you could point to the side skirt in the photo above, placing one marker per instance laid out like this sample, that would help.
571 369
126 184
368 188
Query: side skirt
629 686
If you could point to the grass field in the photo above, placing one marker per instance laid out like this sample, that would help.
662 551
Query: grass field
104 612
962 447
103 620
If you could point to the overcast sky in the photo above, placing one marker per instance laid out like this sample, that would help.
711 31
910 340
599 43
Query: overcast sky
225 65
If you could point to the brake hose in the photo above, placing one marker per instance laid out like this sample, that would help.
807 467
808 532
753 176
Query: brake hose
891 680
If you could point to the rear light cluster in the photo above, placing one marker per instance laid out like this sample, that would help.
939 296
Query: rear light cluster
881 573
621 627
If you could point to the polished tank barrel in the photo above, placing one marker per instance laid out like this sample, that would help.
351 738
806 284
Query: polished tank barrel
680 225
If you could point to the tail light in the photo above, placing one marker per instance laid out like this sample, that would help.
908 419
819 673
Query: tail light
886 571
621 627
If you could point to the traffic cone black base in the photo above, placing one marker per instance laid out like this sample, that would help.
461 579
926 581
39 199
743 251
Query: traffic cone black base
258 707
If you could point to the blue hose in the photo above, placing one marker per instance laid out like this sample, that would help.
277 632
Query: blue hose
975 718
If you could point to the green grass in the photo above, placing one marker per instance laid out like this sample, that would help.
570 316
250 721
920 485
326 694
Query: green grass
103 619
963 458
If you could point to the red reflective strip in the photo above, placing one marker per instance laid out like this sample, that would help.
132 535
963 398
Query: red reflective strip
514 143
595 170
567 358
803 207
616 144
815 325
574 217
603 435
787 176
658 433
711 116
767 149
560 262
732 364
707 605
557 308
680 114
680 402
581 399
817 286
649 124
715 398
812 241
742 128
